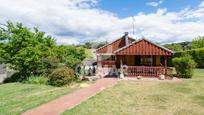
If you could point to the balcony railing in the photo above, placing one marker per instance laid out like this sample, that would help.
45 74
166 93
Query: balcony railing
150 71
107 63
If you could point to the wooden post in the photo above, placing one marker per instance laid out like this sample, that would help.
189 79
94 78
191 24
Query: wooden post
142 60
97 61
165 65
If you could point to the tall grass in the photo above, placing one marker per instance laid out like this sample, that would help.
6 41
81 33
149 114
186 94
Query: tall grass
34 79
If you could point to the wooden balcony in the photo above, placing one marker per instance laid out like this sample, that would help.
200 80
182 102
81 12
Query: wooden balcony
149 71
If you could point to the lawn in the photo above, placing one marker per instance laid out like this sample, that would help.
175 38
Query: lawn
16 97
148 97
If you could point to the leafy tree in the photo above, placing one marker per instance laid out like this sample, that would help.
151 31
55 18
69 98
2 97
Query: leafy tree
88 45
178 46
24 48
71 55
32 53
174 47
198 42
94 45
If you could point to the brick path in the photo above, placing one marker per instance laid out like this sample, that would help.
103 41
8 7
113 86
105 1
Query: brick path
68 101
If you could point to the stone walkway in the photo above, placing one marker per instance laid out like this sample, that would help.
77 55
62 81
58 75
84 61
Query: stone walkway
68 101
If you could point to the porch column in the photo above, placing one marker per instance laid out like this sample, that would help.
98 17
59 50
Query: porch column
99 61
165 65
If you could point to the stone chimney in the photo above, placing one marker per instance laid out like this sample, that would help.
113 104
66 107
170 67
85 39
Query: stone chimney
126 38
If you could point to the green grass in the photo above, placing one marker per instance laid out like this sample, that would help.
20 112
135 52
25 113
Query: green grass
16 98
148 97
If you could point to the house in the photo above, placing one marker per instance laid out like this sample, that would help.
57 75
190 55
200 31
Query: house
140 57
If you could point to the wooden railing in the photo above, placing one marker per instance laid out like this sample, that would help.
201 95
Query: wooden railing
107 63
150 71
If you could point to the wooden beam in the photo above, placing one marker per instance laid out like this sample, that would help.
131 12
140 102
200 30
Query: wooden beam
165 65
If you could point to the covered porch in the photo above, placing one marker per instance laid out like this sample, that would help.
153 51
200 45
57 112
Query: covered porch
137 65
144 65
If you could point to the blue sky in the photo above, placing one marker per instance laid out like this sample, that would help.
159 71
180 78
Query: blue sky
126 8
79 21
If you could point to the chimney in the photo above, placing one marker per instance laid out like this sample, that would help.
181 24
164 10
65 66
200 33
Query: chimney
126 38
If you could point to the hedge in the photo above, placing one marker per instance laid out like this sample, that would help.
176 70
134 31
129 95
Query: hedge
184 66
196 54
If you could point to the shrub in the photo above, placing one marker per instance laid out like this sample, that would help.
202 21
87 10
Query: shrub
196 54
34 79
50 63
61 76
184 66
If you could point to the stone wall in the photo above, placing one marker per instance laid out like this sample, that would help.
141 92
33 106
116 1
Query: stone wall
3 72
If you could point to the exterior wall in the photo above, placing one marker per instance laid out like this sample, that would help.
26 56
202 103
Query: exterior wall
157 60
130 60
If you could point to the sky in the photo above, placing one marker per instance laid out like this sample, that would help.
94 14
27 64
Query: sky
79 21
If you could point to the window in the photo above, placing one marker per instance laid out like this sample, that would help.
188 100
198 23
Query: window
147 60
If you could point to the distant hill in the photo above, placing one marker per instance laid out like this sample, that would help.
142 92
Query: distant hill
182 46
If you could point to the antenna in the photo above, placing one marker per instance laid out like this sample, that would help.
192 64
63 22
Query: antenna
133 25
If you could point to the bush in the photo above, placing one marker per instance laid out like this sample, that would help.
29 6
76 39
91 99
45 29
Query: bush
184 66
62 76
36 80
50 63
196 54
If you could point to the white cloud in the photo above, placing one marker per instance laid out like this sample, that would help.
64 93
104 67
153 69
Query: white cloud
77 21
154 4
202 4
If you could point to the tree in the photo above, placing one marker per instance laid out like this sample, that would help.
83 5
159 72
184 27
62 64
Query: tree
31 52
24 48
71 55
198 42
178 46
95 45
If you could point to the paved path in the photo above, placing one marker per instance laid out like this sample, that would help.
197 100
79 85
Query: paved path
68 101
